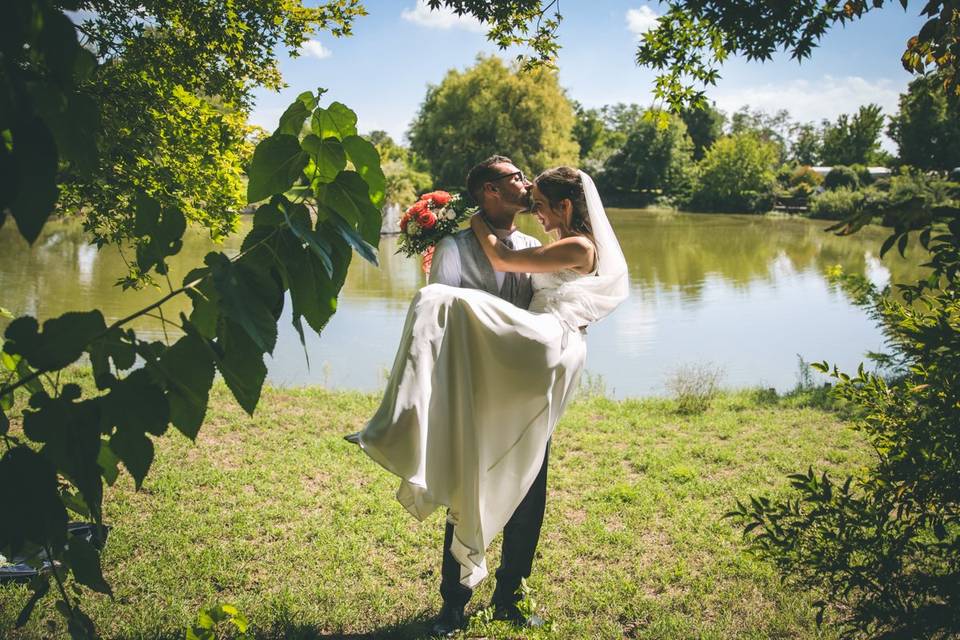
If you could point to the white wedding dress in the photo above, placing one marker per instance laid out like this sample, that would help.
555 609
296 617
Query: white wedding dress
476 390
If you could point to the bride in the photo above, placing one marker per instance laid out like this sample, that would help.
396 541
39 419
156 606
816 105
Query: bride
479 384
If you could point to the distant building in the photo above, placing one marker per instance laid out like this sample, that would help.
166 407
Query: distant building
875 172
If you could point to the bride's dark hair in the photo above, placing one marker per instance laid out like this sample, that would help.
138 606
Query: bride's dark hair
564 182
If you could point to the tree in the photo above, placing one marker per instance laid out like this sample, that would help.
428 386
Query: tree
490 109
588 130
694 37
652 158
773 128
737 174
704 125
926 127
174 88
853 140
807 144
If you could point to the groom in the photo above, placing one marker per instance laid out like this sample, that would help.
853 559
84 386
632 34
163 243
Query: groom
501 191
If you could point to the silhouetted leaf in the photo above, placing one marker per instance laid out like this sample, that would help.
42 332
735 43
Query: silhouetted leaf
62 341
240 360
29 502
137 403
135 450
188 368
84 561
240 302
35 159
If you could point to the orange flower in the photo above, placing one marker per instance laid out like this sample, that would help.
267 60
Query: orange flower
427 219
440 198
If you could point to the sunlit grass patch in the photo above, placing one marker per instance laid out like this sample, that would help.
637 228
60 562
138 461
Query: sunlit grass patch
277 514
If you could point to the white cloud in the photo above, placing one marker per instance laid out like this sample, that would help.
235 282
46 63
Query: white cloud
641 20
314 49
814 101
442 18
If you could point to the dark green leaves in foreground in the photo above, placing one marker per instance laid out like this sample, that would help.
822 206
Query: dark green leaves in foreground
300 245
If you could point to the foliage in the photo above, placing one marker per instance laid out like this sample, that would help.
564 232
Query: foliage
805 175
807 144
217 616
405 172
651 158
694 37
841 177
737 174
71 444
883 545
589 129
836 204
695 387
491 109
704 125
174 88
853 139
926 127
773 127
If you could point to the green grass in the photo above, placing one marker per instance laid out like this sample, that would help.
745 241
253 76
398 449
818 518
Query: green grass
280 516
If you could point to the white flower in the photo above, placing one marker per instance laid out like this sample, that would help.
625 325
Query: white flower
450 214
413 228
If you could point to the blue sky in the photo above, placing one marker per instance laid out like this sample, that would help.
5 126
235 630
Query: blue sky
383 70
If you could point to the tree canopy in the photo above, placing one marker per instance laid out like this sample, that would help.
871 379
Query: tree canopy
926 128
490 109
853 139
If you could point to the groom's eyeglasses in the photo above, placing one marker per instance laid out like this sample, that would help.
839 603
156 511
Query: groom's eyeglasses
510 175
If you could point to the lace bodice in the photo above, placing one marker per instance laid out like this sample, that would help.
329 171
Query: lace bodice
545 285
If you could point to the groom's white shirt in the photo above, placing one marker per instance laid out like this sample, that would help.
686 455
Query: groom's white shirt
446 268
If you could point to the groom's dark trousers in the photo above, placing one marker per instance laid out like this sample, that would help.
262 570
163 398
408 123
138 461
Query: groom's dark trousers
520 537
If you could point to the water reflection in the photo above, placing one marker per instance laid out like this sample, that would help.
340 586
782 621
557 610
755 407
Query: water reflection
746 293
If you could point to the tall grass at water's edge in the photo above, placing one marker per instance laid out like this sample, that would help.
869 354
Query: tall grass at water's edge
279 515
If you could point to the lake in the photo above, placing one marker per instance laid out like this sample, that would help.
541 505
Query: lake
745 294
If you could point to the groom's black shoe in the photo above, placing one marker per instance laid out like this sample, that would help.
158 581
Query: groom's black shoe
450 620
352 438
512 614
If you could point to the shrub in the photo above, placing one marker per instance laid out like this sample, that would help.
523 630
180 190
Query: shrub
835 205
736 175
805 175
694 386
841 176
863 174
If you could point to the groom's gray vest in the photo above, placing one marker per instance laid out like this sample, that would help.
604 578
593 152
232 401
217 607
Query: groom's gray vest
476 272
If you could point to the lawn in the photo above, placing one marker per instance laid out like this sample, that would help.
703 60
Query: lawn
280 516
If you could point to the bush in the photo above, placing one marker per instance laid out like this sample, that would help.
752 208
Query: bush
736 175
805 175
863 174
841 176
883 546
694 386
835 205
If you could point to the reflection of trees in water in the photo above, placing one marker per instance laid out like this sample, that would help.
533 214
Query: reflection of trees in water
680 251
668 251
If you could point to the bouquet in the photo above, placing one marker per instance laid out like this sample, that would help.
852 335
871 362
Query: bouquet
433 217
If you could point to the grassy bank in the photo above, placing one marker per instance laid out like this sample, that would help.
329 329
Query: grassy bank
280 516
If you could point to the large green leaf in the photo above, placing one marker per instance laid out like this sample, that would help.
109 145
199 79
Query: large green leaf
349 197
312 291
292 120
240 361
298 219
366 160
63 339
137 403
135 450
35 162
188 370
240 302
70 432
335 121
277 163
206 301
29 501
329 158
84 561
116 345
347 232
